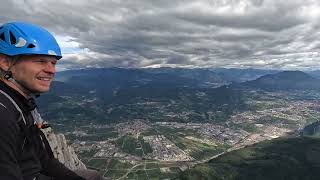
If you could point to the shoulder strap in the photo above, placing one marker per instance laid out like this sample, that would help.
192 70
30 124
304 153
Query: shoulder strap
15 105
23 125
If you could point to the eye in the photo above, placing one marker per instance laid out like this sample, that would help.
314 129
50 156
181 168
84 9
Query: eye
45 61
40 61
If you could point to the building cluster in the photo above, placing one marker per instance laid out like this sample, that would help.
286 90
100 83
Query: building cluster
222 134
268 123
165 150
105 149
134 127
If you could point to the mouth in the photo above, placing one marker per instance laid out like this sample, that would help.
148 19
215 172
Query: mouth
44 78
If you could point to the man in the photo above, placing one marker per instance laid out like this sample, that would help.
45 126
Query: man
28 55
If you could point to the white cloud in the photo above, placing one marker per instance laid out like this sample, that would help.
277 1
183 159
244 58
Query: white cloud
68 45
178 33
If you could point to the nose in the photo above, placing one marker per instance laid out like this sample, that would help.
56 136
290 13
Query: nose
50 67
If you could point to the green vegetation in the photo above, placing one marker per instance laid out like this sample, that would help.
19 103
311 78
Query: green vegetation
114 174
103 131
146 170
131 145
116 168
248 127
269 104
154 174
138 174
163 96
145 145
117 164
269 119
87 154
93 137
203 151
100 164
152 166
281 159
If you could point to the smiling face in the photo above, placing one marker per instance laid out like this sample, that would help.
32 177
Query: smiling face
35 72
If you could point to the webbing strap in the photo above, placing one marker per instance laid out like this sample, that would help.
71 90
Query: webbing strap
15 105
37 118
21 116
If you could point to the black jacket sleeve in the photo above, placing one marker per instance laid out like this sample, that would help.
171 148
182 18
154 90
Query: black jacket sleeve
56 169
9 134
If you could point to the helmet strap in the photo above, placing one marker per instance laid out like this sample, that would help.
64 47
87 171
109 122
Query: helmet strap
8 76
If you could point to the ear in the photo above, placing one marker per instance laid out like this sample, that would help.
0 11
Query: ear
4 62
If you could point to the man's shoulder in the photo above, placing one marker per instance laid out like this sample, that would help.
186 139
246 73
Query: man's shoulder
7 108
5 100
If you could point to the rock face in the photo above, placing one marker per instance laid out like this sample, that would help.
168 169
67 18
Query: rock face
62 151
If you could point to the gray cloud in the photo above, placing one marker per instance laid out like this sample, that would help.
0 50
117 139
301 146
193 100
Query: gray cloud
203 33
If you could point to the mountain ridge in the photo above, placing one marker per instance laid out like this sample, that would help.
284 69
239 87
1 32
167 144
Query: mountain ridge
285 80
282 158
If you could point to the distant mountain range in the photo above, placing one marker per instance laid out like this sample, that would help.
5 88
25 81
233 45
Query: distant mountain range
315 73
286 80
189 94
116 77
110 79
242 75
180 76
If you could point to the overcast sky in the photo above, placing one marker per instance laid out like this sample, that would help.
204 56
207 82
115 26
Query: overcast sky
266 34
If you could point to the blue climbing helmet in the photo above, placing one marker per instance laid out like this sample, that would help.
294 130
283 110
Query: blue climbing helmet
19 38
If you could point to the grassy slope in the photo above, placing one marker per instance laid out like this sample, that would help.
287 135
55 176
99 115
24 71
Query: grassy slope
280 159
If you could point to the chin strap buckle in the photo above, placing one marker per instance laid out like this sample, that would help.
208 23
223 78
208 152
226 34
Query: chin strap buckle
8 75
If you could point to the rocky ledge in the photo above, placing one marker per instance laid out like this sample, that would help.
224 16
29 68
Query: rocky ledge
62 151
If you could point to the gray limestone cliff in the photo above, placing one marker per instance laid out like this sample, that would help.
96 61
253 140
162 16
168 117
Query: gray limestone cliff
62 151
